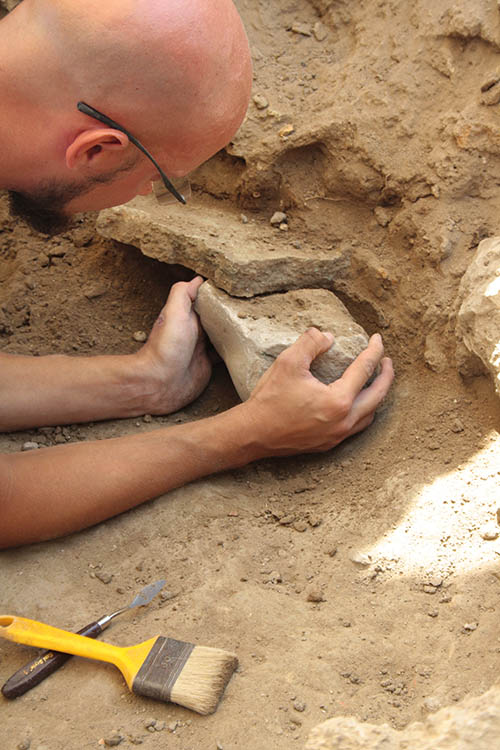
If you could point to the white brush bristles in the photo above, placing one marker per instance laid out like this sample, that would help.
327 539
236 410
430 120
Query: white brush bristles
203 678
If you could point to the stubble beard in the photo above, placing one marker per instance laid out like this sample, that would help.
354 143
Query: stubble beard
43 209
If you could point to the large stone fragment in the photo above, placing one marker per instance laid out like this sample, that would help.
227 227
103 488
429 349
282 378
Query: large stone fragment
474 724
478 321
249 334
243 259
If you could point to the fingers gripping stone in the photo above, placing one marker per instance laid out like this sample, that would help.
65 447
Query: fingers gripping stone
250 334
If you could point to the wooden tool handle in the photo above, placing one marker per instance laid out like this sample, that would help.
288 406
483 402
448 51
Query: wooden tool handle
45 664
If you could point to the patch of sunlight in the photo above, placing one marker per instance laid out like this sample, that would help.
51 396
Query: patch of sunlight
443 527
495 357
493 288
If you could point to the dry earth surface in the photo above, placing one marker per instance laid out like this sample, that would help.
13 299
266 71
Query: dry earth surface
355 583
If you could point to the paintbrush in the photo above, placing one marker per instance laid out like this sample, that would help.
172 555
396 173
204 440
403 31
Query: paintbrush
48 662
161 668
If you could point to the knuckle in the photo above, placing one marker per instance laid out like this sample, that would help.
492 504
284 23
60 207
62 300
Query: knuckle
284 357
315 335
180 285
343 405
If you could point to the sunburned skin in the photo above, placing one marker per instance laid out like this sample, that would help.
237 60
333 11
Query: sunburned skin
183 95
178 76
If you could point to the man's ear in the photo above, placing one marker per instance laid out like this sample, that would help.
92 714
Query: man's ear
94 147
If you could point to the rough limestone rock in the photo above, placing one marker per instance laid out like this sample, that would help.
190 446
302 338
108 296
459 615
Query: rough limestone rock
249 334
478 321
472 725
243 259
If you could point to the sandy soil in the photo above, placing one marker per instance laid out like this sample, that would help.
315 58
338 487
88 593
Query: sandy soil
356 582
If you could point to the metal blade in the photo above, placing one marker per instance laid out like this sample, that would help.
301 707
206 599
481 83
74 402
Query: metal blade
147 593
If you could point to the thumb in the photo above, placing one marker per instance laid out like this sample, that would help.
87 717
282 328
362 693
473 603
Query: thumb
310 345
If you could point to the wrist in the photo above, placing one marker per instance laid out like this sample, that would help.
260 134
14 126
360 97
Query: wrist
137 385
245 432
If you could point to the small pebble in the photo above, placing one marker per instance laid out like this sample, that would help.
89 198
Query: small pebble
92 291
489 533
301 28
24 745
278 218
320 31
173 726
160 726
299 706
140 336
30 445
314 521
147 418
274 577
286 130
428 589
433 613
113 740
260 101
300 526
104 577
431 704
491 97
360 559
315 595
469 627
165 596
436 582
244 219
490 82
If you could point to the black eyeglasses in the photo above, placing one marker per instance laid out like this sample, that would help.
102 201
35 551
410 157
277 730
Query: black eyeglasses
91 112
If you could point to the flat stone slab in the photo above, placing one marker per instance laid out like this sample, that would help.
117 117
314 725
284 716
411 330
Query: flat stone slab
243 259
473 724
249 334
478 320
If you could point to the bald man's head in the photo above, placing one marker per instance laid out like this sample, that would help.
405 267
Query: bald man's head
175 73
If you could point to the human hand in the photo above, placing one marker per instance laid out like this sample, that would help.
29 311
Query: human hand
174 358
293 412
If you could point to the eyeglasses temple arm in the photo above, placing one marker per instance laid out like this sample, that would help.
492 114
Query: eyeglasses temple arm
96 115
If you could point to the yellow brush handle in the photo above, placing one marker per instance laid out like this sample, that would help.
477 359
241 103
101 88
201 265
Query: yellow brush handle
128 659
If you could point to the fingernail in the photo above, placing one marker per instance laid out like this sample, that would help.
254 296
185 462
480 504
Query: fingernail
377 337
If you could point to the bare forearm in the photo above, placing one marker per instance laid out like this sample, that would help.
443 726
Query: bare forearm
55 491
58 389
